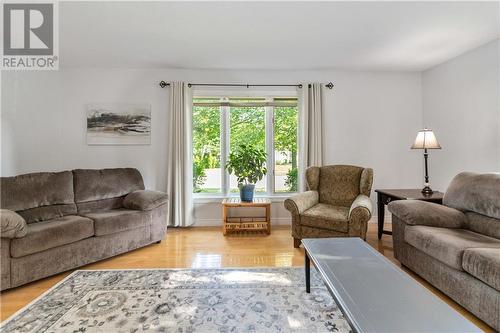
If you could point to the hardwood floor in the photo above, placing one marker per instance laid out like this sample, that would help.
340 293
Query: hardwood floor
208 248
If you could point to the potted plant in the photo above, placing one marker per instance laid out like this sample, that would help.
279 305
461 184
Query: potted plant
248 164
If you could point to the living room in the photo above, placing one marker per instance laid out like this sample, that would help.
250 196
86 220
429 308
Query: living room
239 166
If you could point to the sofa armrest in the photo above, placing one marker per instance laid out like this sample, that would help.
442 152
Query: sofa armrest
416 212
12 224
300 202
145 200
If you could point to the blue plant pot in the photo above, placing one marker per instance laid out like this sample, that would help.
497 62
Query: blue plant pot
246 192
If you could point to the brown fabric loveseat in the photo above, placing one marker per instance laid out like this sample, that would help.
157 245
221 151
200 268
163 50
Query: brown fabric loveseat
456 246
337 203
55 221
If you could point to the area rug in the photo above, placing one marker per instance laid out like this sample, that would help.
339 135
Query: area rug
182 301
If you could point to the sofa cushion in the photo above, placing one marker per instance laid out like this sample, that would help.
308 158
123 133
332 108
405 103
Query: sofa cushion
91 185
326 217
483 264
447 245
474 192
12 224
36 190
417 212
145 200
52 233
99 205
117 220
45 213
483 224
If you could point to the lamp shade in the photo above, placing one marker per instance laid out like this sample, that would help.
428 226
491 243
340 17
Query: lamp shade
426 140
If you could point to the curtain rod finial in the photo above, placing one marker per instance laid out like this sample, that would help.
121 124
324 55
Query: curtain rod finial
329 85
163 84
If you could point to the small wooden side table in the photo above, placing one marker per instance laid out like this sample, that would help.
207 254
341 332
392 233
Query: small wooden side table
246 223
384 197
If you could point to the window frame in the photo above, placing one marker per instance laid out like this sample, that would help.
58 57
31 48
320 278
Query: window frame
225 138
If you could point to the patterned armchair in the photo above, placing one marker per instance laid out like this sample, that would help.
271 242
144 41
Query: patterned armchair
337 203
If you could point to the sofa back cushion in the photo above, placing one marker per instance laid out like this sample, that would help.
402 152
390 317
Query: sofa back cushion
339 185
481 224
95 185
38 196
47 212
100 205
479 193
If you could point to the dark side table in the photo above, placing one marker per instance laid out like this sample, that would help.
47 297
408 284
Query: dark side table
384 197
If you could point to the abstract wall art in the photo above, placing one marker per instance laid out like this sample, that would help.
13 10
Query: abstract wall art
118 124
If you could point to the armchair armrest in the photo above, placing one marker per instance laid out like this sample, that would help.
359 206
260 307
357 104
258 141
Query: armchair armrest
416 212
362 202
12 224
145 200
300 202
360 213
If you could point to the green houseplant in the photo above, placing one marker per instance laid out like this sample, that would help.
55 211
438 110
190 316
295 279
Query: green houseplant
248 164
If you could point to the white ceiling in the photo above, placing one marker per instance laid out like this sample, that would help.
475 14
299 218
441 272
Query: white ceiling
273 35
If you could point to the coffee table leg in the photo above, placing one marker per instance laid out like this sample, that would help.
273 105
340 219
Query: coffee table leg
308 273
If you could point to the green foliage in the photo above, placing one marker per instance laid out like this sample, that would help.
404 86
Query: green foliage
247 163
206 136
199 175
206 143
247 126
285 130
292 180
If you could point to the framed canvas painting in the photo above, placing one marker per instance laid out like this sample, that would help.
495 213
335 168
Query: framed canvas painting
118 124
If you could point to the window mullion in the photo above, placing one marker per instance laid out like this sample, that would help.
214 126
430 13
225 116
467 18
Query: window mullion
270 149
225 140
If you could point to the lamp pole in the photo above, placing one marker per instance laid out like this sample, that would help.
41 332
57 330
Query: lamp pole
426 190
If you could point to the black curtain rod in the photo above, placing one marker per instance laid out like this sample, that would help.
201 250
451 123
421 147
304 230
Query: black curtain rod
164 84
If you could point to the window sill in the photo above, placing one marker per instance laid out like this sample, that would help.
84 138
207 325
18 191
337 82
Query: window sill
201 199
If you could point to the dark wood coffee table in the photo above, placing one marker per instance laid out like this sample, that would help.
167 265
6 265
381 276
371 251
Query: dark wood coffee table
384 197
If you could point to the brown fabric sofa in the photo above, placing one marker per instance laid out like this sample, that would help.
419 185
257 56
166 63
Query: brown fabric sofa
55 221
456 246
337 203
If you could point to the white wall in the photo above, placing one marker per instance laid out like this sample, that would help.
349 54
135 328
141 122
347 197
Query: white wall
461 104
370 119
43 121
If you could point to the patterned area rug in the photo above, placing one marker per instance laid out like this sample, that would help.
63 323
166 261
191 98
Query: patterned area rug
186 300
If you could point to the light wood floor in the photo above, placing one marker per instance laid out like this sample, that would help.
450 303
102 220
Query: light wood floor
208 248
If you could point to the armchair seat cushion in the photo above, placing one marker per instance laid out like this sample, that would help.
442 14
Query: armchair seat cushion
447 245
52 233
118 220
483 264
326 216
